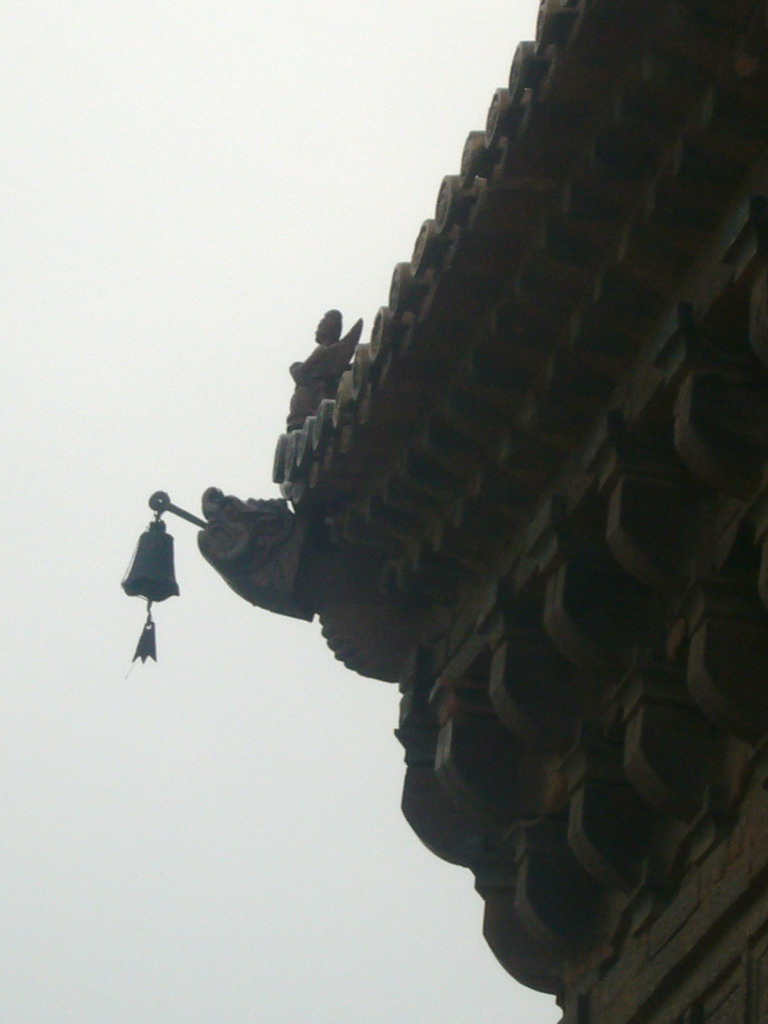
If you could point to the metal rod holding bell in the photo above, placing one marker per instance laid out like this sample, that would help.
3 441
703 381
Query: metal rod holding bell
152 574
159 502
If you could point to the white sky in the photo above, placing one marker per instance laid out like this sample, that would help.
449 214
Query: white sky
186 188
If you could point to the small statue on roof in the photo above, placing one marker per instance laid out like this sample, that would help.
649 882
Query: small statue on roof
318 376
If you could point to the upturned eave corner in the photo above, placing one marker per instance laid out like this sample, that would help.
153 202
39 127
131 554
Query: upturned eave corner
536 498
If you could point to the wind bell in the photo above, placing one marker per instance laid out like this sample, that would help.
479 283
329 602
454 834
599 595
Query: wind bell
151 574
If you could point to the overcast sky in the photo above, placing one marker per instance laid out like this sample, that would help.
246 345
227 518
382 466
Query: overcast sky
186 188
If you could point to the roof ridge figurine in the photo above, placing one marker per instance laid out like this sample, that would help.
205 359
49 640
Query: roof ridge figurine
318 376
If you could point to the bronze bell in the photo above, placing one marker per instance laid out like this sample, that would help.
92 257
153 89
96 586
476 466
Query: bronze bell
151 573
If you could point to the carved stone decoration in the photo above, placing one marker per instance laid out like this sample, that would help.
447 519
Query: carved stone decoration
256 546
534 692
648 528
318 376
607 830
477 759
440 823
261 549
671 756
721 429
371 637
595 611
436 819
608 825
728 673
557 901
525 958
